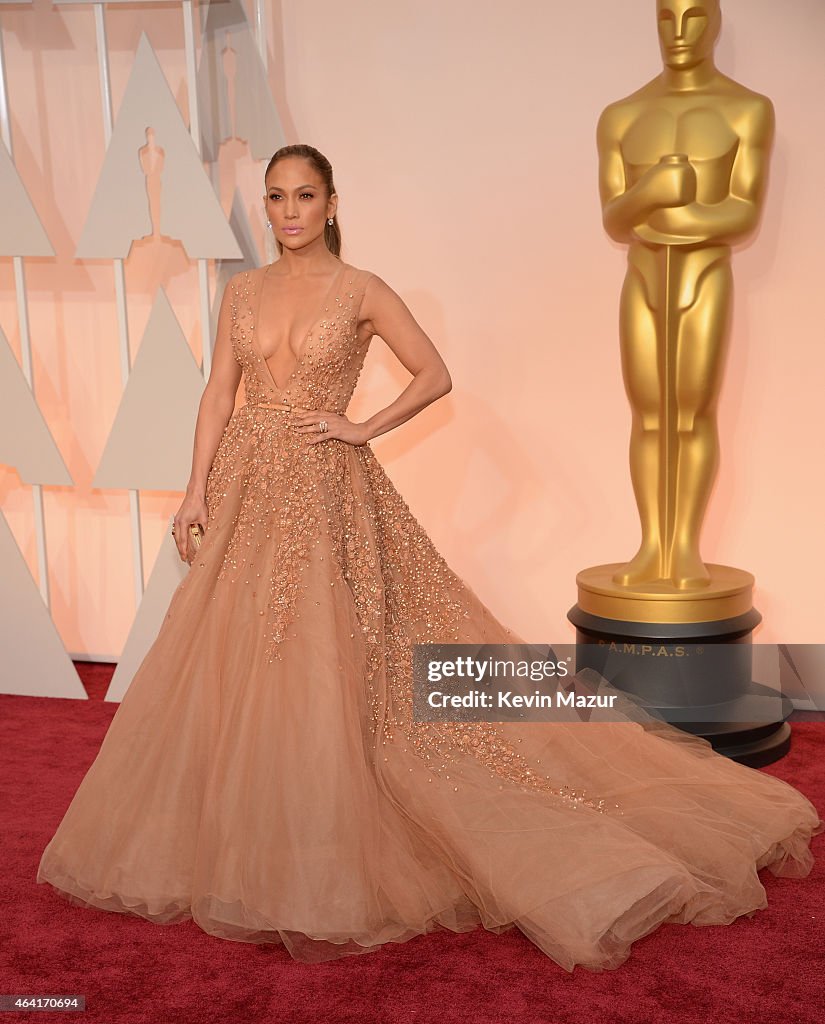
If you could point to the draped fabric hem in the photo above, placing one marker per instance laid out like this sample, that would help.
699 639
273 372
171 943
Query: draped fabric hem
792 856
677 898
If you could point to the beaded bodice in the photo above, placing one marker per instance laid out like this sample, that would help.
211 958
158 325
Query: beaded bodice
332 354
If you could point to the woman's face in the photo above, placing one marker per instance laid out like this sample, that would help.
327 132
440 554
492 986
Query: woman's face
296 202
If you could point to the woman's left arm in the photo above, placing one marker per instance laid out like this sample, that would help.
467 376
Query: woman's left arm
387 315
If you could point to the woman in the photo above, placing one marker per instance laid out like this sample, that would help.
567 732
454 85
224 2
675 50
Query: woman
264 774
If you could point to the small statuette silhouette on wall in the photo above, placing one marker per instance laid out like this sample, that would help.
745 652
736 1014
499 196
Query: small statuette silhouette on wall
151 163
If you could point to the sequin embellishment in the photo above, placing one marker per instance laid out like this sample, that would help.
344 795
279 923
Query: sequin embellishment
297 501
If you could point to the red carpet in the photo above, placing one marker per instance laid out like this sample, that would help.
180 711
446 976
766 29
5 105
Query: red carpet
769 968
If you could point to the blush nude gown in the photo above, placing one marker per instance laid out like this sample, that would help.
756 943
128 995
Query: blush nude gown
263 774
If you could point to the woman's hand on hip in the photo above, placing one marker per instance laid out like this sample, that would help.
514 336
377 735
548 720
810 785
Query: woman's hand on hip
320 425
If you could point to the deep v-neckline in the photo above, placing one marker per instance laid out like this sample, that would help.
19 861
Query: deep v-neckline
307 335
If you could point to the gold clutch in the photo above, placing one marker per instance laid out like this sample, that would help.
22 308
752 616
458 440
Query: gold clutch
196 535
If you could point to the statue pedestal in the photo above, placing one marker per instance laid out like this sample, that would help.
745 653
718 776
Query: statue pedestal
687 655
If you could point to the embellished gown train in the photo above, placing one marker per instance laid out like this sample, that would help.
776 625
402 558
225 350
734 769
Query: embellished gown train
263 774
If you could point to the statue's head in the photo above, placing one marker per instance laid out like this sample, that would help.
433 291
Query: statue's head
688 30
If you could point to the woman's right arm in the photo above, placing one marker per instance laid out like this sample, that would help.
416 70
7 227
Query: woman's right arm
216 407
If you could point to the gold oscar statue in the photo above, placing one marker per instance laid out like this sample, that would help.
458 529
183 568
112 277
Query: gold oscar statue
682 170
683 163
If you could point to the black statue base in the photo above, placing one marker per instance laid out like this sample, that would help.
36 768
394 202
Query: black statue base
697 676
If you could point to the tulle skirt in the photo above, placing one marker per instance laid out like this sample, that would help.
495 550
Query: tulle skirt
291 800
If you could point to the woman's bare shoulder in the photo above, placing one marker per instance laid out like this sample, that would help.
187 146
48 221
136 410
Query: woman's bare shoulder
245 277
245 283
366 277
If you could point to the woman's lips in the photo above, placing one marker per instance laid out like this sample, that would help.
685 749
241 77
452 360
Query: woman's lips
291 231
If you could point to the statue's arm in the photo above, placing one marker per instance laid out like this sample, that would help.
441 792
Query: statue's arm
623 208
736 215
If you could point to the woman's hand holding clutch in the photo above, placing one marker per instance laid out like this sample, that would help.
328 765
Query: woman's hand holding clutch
190 526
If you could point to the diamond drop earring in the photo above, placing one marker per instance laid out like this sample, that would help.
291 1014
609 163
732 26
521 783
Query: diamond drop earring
329 220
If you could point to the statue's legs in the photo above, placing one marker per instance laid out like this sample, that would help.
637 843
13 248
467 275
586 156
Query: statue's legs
703 331
639 346
671 510
153 190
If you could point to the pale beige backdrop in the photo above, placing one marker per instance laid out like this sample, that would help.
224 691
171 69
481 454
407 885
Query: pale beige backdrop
462 136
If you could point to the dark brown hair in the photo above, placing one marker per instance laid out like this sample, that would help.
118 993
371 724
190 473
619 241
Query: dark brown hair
332 232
